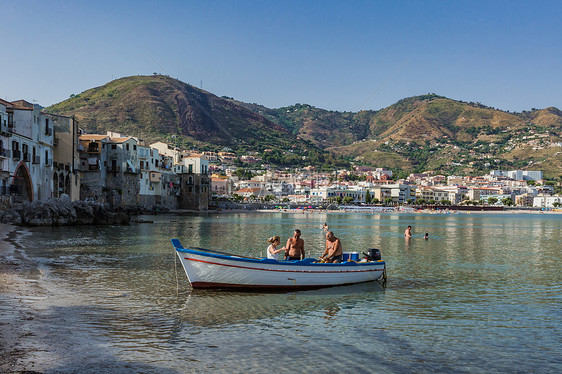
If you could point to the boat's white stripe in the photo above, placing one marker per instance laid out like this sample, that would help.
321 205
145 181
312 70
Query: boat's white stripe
283 270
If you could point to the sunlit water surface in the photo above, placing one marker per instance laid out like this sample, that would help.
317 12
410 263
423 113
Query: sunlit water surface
483 294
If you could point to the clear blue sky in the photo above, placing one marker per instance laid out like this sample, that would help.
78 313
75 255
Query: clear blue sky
339 55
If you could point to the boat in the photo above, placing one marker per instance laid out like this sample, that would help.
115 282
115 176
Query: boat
213 269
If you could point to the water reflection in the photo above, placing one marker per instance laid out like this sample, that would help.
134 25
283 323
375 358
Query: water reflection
207 308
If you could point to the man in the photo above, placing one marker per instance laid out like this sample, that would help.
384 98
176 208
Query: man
294 249
334 251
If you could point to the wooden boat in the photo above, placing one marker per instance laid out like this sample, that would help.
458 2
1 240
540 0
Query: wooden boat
212 269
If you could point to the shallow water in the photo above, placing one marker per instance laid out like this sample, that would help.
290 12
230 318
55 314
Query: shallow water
483 294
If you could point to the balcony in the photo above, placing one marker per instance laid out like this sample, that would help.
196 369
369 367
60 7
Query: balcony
48 131
5 153
26 157
48 161
36 160
93 148
16 155
6 131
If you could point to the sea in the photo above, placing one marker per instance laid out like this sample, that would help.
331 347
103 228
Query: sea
483 294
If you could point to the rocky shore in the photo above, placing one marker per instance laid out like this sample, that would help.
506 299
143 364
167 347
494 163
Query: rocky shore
62 211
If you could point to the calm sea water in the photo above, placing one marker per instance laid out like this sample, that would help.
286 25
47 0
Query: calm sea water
483 294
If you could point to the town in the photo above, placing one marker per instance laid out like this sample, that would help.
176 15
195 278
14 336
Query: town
45 155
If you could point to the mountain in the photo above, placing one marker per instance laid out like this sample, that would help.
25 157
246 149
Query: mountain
162 108
426 132
325 128
432 132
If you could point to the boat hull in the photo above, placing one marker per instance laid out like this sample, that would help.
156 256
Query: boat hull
210 270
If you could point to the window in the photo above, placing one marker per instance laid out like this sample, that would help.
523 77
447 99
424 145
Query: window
190 168
134 147
114 146
127 146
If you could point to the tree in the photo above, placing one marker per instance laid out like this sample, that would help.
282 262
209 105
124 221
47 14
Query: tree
445 202
507 201
237 198
375 201
367 197
347 200
339 199
431 202
492 200
388 201
409 201
268 198
420 201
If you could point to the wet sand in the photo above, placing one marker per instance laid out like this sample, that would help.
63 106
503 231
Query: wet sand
18 289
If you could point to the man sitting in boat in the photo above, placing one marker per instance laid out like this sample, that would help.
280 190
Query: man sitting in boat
294 249
334 251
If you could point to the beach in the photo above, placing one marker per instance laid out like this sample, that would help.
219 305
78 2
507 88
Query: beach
18 285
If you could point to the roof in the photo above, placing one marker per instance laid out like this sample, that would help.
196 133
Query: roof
120 140
93 137
252 190
16 104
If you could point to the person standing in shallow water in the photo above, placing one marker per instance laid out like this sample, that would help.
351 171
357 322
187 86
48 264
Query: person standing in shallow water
408 232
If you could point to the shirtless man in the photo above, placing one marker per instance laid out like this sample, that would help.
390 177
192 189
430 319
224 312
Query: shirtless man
334 251
294 249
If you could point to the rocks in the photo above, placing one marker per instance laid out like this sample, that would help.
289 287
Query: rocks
60 212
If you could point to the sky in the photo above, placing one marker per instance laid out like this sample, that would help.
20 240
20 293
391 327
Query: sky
336 55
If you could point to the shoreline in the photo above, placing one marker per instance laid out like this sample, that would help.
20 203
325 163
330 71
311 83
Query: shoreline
424 211
19 290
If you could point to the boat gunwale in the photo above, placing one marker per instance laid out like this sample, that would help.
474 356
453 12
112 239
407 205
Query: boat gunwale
267 261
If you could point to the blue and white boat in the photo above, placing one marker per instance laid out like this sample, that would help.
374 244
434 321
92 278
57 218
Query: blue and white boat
212 269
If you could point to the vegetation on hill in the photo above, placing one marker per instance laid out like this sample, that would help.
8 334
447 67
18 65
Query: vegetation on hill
162 108
415 134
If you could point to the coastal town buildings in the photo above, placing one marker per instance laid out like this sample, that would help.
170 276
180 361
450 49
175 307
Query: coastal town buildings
66 157
26 157
44 155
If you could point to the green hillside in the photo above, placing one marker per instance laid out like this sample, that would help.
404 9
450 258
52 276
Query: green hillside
161 108
426 132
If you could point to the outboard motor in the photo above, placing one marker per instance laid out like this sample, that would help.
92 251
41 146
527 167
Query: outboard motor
373 255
